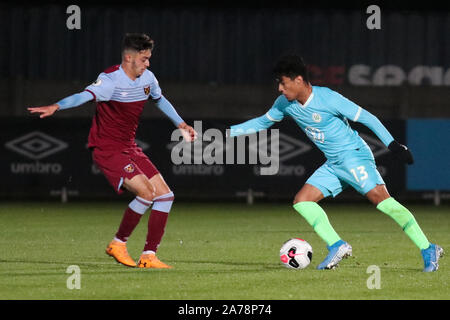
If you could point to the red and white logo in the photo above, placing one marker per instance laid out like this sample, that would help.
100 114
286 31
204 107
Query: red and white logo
129 168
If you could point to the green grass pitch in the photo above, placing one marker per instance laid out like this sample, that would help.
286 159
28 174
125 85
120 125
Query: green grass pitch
219 252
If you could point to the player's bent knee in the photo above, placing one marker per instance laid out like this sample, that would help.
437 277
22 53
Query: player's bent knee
147 194
308 193
162 191
151 195
378 194
299 197
304 198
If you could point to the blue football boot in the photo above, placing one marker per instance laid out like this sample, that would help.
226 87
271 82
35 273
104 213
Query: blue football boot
431 257
337 251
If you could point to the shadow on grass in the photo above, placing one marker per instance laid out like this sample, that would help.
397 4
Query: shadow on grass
230 266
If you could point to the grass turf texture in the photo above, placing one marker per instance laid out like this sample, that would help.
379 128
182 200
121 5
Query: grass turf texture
219 252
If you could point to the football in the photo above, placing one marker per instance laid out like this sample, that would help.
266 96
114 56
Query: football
296 254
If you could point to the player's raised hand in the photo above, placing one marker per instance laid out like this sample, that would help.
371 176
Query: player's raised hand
189 134
44 111
401 152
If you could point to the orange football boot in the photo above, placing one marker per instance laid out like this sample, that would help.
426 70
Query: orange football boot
151 261
118 250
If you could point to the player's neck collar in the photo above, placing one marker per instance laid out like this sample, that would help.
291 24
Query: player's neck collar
131 81
311 96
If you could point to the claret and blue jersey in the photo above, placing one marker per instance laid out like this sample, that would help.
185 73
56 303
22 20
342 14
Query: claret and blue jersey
120 102
114 84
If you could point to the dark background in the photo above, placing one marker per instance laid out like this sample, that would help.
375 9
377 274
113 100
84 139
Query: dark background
213 61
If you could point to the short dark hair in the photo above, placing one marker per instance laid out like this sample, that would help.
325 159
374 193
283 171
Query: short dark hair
291 66
137 42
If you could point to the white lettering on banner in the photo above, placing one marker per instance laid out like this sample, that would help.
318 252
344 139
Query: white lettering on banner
198 170
393 75
211 145
285 170
389 75
36 145
208 154
36 168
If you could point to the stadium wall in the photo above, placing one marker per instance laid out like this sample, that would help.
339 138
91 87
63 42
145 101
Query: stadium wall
228 45
215 59
49 159
214 64
212 101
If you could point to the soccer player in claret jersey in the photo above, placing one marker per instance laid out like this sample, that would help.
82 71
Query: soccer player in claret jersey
323 115
121 92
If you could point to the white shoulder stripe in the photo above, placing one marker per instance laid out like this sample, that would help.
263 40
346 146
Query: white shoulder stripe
270 118
357 114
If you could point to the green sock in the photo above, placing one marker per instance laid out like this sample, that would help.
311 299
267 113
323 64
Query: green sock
406 220
318 219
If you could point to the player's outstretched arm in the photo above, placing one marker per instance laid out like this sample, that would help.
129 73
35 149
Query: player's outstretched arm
189 134
70 102
275 114
44 111
251 126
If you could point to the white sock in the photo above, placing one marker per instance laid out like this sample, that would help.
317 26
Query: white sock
118 240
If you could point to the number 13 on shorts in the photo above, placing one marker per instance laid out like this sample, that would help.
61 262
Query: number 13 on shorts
361 174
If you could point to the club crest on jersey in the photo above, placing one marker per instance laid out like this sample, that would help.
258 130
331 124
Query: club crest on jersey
147 90
129 168
316 117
